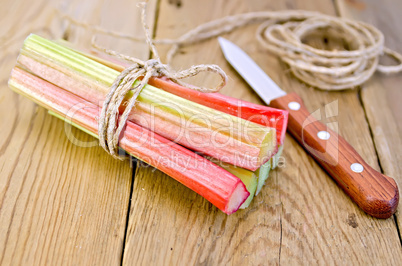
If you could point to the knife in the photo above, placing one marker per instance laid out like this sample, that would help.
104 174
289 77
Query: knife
372 191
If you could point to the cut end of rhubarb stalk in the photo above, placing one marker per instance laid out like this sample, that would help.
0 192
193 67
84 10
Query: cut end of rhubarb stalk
248 178
239 195
251 187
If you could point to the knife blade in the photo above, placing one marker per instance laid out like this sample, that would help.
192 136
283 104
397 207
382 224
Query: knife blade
375 193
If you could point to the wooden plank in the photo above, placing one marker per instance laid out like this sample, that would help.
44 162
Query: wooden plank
381 96
59 203
301 216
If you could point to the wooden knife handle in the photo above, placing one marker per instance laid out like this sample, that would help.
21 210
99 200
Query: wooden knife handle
374 192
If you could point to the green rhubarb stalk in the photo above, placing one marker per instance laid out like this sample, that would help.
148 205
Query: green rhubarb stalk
197 127
275 159
217 185
263 174
254 181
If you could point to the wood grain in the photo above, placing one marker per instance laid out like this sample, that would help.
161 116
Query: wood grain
381 96
372 191
59 203
301 216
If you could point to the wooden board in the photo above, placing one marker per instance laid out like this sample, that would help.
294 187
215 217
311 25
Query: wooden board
59 203
301 216
382 95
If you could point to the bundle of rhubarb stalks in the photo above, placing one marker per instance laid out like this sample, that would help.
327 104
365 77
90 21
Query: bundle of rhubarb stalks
220 147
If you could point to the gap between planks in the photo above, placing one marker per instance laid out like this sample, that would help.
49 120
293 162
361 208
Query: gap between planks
133 164
359 93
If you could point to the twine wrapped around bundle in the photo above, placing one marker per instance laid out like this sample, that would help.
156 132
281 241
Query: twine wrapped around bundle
108 133
281 32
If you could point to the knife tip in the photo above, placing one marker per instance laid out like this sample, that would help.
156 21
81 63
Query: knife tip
222 41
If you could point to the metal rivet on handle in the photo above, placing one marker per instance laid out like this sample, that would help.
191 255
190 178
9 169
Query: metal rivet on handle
324 135
294 106
357 168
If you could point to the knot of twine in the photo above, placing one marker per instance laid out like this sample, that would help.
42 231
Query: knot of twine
109 133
